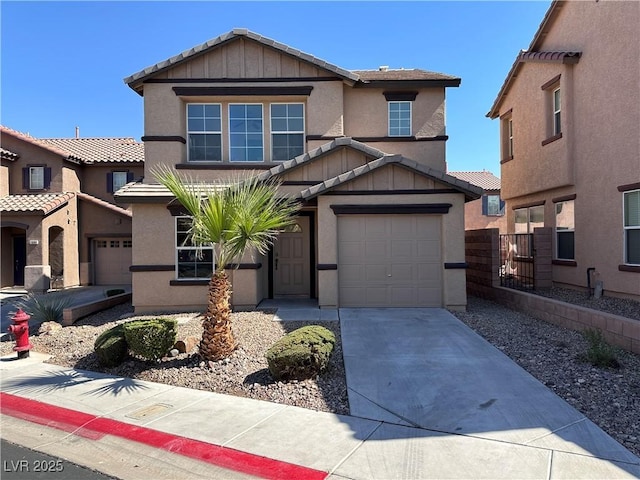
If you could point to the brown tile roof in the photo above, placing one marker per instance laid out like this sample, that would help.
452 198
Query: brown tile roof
138 192
137 78
485 180
533 54
101 203
400 74
100 150
8 155
34 141
41 203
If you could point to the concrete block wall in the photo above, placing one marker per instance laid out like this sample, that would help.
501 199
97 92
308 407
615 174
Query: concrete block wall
482 254
543 255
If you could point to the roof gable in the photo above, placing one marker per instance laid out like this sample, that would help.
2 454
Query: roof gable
135 81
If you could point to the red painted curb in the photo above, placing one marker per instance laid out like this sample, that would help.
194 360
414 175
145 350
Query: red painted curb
93 427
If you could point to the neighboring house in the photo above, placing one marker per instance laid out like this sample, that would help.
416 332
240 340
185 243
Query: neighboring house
381 223
60 224
569 113
487 211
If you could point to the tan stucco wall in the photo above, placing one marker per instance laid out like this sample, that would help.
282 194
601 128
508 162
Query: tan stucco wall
94 178
475 220
599 150
4 178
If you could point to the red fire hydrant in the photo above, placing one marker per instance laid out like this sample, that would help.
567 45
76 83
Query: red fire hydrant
21 332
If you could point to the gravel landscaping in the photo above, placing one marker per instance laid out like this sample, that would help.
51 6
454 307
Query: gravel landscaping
552 354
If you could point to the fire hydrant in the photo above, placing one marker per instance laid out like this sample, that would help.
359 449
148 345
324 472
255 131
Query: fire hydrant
21 332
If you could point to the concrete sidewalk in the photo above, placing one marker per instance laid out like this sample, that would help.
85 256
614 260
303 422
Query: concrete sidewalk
440 402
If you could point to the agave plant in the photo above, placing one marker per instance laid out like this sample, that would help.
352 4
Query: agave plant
45 308
245 216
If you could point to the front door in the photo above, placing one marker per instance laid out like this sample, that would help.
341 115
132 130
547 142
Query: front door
19 258
291 269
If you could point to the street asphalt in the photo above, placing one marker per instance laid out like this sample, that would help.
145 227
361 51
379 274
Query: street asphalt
429 398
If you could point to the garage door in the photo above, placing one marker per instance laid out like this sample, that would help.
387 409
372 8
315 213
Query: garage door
112 261
389 261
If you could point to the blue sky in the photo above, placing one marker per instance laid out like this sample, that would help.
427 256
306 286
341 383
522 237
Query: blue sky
63 63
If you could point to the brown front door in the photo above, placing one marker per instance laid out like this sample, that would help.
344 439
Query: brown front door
291 272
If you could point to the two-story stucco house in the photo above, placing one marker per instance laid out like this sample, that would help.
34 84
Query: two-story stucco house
381 224
60 224
569 113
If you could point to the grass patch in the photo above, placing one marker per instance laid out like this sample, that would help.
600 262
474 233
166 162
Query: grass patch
599 353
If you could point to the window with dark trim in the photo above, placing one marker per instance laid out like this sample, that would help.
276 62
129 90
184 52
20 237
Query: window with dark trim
192 261
492 205
117 180
204 132
36 177
506 135
287 131
246 133
553 110
399 119
528 218
557 112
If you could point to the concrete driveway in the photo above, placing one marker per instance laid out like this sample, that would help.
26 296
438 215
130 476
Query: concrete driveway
424 368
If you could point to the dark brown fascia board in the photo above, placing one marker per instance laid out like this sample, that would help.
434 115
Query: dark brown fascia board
438 138
164 138
224 166
403 96
391 209
528 205
564 198
434 191
135 199
245 80
628 187
152 268
629 268
236 91
454 82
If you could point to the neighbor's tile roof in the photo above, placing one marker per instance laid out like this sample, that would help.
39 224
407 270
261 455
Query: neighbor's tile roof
100 150
25 137
8 155
485 180
101 203
140 76
400 74
40 203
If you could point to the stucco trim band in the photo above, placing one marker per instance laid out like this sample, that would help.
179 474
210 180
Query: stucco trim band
552 139
527 205
152 268
564 198
163 138
629 268
628 187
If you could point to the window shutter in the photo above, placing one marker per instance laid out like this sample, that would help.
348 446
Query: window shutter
129 177
110 182
485 205
501 207
47 177
25 178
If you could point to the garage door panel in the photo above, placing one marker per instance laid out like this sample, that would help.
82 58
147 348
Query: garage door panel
112 259
389 260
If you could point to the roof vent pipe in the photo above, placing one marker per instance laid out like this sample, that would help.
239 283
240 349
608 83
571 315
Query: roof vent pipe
77 132
383 68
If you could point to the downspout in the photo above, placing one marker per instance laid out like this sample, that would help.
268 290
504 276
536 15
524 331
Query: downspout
589 270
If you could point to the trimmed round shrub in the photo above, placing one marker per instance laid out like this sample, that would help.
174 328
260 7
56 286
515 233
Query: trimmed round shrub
301 354
111 346
151 339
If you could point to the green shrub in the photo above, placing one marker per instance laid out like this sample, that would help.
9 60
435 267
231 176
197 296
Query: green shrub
151 339
111 346
301 354
45 308
599 353
114 291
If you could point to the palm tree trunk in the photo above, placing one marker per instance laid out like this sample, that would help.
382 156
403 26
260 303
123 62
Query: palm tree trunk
217 338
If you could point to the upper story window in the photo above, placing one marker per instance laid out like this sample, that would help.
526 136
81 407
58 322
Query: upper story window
631 205
204 132
117 180
399 119
192 261
287 130
565 230
492 205
36 177
506 135
245 133
557 112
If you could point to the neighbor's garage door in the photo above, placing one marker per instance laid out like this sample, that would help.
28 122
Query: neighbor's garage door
389 261
112 261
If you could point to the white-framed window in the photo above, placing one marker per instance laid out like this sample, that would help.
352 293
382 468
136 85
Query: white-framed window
557 111
192 261
631 223
528 218
492 205
399 119
565 230
287 131
204 132
510 137
246 133
36 178
119 180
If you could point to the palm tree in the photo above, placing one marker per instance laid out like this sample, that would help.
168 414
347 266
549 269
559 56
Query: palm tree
244 216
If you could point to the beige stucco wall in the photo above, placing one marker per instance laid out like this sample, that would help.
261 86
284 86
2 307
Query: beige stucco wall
4 177
475 220
599 150
94 178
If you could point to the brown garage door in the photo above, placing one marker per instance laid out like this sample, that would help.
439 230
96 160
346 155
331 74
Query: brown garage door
389 261
112 261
